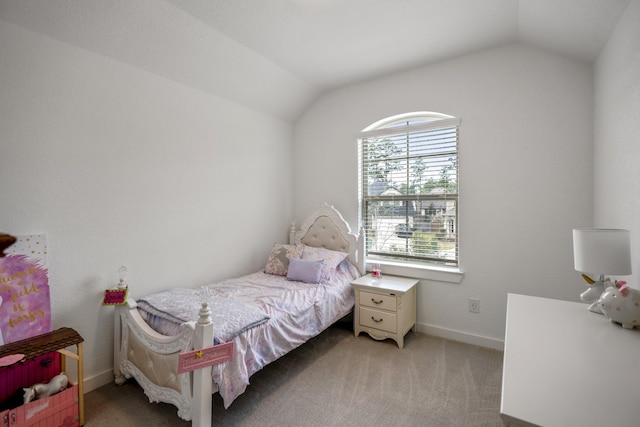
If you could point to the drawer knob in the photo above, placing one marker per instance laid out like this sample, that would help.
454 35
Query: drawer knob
376 302
376 320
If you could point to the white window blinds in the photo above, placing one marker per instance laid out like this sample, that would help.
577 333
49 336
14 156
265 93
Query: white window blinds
409 188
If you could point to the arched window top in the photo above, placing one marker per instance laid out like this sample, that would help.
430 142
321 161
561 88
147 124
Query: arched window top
408 119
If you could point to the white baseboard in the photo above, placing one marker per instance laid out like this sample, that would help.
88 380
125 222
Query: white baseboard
97 381
464 337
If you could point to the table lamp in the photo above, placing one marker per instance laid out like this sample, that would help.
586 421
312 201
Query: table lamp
603 252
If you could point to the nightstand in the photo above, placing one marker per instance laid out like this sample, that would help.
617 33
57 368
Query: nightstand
385 307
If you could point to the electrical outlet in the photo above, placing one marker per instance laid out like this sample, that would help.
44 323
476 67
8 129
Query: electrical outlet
474 305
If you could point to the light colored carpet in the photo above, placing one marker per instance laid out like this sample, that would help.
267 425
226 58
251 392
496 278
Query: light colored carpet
337 379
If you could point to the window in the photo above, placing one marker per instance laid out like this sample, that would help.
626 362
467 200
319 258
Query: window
409 188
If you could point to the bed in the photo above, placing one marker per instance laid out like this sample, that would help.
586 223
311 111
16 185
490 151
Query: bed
265 315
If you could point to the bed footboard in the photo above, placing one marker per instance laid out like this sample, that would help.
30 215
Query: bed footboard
152 359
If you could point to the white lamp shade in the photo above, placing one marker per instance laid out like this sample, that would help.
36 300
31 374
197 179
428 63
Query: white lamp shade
602 251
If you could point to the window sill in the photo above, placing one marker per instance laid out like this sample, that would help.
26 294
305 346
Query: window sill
430 272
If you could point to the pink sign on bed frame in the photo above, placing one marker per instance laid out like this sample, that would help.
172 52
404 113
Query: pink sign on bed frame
198 359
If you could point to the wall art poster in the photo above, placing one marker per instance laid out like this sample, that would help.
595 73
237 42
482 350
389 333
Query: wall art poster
25 304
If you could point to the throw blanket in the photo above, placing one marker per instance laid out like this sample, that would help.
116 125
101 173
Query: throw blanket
230 317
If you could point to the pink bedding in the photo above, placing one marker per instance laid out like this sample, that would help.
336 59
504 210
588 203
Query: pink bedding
296 312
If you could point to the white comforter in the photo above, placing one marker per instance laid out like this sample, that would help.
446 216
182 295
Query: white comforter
297 312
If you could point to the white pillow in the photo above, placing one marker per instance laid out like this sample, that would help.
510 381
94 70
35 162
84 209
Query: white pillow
331 259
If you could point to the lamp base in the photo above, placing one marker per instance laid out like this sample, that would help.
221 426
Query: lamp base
593 292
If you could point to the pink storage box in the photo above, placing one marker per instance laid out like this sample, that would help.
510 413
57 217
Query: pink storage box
42 363
59 410
40 369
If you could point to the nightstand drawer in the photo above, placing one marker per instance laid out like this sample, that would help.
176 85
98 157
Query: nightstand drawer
384 302
378 319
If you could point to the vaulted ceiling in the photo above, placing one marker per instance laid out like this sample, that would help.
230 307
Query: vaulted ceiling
331 43
305 47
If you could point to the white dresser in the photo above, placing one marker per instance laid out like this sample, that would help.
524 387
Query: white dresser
385 307
566 366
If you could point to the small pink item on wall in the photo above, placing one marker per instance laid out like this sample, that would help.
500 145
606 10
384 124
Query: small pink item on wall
117 295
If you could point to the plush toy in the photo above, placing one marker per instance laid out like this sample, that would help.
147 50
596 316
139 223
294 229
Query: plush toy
621 304
42 390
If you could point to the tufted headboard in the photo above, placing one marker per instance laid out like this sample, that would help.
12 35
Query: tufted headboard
326 228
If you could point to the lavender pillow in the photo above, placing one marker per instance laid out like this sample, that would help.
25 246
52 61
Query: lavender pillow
304 270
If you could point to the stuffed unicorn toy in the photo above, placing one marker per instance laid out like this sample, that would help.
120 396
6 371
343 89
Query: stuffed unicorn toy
42 390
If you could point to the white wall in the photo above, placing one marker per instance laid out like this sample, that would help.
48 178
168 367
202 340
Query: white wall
617 133
120 166
162 38
525 182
